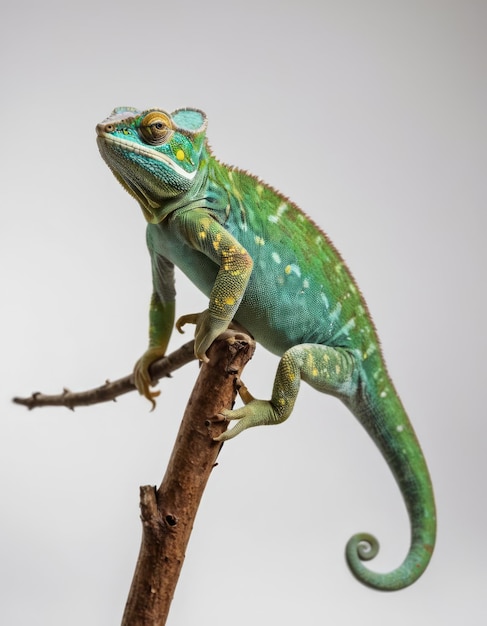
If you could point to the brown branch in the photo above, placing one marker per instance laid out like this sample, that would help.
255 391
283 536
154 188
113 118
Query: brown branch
168 513
110 390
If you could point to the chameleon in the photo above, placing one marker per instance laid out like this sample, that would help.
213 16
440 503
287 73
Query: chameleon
266 266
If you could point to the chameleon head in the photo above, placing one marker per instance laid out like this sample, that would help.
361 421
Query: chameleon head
154 155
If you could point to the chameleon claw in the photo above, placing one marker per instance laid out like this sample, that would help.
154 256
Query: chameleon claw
190 318
141 376
219 418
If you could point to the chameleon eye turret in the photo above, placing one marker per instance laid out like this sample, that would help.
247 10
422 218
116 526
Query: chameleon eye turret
156 128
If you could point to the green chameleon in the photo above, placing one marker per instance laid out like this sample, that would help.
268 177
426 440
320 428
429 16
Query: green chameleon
263 263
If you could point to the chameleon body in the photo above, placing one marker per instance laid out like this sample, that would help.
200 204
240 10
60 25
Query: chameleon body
263 263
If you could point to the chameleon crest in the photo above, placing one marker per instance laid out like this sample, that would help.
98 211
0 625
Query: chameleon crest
265 265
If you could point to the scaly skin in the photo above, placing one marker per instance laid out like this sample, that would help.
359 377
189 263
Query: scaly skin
264 264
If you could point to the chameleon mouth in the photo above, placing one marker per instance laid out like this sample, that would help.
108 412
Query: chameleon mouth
146 151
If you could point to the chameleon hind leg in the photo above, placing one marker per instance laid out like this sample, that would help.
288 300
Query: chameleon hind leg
329 370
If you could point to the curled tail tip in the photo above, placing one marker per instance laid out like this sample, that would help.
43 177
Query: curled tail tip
364 547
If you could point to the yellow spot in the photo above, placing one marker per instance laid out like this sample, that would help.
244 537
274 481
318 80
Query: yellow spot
282 402
291 377
314 371
202 234
337 369
179 155
216 241
259 240
326 358
229 300
287 269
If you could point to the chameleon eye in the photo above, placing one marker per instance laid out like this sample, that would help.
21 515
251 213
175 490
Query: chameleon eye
156 128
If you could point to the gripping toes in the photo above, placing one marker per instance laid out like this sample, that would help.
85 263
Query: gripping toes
207 330
255 413
142 378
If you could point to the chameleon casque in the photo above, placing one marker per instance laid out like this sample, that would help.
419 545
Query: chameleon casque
263 263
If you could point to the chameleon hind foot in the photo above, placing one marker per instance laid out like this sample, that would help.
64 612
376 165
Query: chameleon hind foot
254 413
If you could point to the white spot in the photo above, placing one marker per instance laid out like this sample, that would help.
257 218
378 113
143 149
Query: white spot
371 349
276 257
344 329
383 394
400 428
282 208
325 300
335 313
305 283
295 270
273 218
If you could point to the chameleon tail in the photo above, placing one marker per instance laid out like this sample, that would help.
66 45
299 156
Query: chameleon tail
385 419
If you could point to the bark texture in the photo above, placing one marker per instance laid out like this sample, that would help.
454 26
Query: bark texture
168 512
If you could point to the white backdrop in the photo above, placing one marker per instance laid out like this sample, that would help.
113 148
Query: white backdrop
369 116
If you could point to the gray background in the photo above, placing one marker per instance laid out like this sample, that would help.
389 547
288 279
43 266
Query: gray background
367 114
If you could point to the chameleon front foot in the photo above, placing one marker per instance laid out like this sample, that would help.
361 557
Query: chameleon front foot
142 377
208 327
